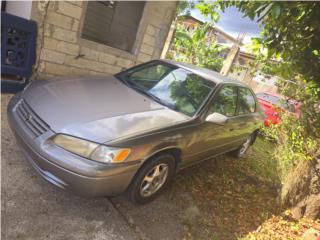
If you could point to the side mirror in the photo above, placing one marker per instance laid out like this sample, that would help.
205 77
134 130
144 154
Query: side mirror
217 118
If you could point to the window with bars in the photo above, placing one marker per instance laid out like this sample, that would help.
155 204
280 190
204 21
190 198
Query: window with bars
113 23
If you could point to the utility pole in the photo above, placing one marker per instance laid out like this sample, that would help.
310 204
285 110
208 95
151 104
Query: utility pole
168 42
233 53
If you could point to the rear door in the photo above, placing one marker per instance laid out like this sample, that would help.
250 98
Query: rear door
248 117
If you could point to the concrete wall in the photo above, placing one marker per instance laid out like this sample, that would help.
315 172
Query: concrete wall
62 51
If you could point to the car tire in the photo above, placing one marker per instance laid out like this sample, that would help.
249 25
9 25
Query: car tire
240 151
152 179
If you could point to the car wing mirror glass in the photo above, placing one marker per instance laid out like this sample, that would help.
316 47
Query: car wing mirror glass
217 118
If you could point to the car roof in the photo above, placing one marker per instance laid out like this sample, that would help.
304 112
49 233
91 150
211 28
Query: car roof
272 94
206 73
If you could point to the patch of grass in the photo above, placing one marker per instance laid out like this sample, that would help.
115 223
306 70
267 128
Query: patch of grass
259 162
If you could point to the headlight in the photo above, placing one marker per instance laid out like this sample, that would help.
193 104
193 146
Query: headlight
76 145
94 151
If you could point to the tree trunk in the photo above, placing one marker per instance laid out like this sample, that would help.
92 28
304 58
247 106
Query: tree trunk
301 192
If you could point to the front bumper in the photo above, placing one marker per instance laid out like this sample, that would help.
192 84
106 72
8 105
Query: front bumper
66 170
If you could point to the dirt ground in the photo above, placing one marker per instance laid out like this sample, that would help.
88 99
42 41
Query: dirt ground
218 199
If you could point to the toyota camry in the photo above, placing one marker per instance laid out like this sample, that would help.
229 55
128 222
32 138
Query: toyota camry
131 132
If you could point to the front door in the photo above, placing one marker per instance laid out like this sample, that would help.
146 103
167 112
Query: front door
211 139
223 138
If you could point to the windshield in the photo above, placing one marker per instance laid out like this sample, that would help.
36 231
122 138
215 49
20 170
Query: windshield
174 87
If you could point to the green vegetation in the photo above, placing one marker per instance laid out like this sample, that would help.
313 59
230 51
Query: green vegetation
238 196
284 227
194 46
291 36
260 162
290 32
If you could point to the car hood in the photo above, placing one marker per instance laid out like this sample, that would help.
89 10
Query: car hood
99 109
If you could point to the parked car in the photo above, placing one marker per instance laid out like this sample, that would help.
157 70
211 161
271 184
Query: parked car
131 132
274 105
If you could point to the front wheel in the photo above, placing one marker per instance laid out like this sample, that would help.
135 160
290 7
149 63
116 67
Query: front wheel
152 179
239 153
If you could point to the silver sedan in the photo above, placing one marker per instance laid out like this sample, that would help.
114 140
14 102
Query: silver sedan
131 132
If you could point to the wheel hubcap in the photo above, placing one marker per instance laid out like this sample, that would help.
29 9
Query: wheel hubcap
154 180
245 145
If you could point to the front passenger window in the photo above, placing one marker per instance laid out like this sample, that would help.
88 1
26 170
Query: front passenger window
225 102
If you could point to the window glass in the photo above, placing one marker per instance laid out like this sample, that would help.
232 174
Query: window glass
174 87
149 76
275 100
113 23
226 102
269 98
247 103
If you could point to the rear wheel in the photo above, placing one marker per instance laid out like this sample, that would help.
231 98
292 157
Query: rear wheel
152 179
239 153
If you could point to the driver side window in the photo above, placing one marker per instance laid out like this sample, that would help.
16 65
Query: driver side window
225 102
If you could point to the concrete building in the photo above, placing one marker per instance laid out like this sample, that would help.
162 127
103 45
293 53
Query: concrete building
215 33
94 37
221 37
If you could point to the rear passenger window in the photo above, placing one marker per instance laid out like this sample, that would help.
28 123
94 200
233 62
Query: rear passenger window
247 103
226 102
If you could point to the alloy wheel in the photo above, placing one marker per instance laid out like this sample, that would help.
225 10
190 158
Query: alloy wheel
245 146
154 180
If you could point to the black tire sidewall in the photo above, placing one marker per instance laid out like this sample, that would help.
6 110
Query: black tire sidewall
134 189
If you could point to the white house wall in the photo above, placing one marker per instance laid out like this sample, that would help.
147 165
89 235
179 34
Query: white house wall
19 8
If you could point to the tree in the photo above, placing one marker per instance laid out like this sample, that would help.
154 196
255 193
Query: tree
291 35
195 47
184 7
291 31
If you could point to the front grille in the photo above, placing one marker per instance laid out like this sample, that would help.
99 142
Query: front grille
31 120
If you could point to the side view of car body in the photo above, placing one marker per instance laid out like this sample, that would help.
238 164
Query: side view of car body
131 132
274 105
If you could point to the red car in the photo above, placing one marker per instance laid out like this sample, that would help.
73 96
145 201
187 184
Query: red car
274 105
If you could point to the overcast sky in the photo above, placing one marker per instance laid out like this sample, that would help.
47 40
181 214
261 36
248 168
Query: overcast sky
232 22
